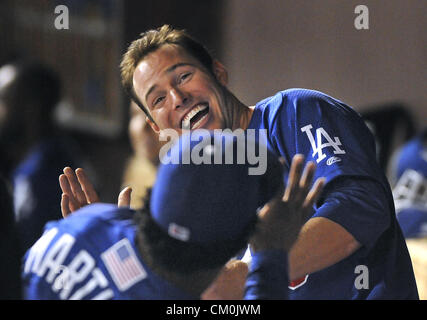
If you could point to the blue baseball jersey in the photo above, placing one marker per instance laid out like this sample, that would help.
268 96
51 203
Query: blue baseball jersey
357 195
410 190
93 255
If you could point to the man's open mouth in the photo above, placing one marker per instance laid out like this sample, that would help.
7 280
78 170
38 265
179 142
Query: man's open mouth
195 117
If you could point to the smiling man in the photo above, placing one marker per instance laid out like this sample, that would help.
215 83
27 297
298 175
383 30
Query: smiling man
165 70
199 109
180 86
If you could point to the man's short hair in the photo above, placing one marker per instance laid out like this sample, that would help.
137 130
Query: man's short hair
152 40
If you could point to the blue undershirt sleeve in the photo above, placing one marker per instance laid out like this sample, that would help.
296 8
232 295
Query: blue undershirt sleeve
268 276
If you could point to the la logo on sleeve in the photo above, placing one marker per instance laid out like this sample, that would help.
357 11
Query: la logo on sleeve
316 144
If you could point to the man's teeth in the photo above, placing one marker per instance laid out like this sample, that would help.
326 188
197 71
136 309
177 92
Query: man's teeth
191 114
198 122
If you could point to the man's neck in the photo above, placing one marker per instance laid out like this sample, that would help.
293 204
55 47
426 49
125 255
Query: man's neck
237 114
244 117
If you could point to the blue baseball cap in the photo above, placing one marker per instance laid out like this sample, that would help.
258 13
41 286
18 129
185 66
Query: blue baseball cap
204 190
413 222
410 190
413 155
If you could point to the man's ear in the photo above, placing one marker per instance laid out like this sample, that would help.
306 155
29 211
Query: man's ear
220 72
153 125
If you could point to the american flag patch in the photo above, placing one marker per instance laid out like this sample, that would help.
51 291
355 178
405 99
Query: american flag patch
123 265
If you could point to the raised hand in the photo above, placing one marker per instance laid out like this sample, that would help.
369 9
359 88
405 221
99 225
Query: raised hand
77 191
282 218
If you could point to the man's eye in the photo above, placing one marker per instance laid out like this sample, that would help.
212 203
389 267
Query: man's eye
158 100
184 76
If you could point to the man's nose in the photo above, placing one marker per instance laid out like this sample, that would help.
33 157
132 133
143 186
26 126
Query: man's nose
180 98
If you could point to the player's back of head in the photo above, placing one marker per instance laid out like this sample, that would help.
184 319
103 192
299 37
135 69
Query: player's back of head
202 211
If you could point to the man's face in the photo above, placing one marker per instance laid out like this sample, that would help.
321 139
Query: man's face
178 91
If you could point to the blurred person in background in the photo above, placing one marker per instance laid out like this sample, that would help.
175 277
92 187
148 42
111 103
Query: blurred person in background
141 168
408 175
392 125
32 150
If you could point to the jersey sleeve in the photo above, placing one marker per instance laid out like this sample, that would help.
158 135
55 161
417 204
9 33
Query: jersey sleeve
325 131
359 205
268 276
336 139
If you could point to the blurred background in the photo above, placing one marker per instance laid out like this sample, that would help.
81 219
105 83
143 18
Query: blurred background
267 46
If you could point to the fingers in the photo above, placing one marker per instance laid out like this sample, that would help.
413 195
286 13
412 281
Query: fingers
298 193
65 209
78 190
314 193
75 186
307 177
294 177
66 189
280 220
305 183
299 181
124 197
87 187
